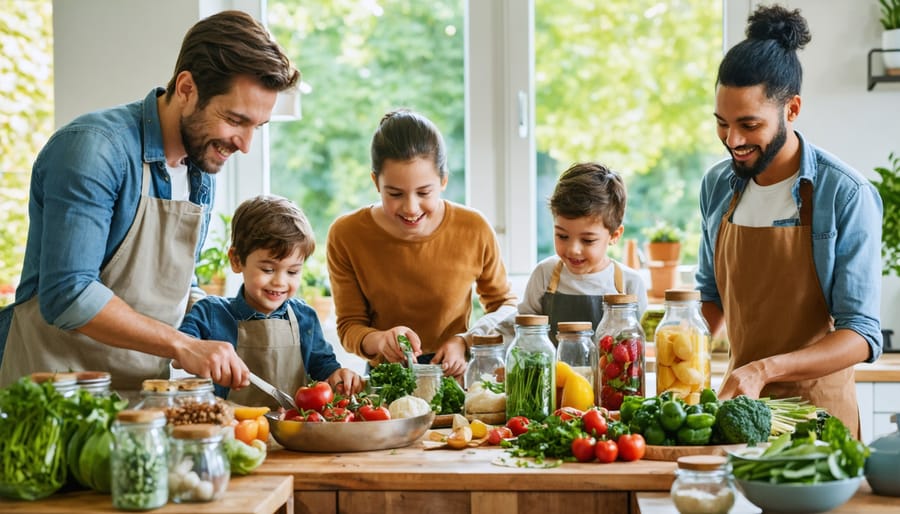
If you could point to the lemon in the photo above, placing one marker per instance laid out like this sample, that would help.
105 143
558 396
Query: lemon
479 428
242 413
563 372
577 392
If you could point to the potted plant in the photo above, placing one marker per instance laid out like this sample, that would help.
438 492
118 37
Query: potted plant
664 242
213 264
315 288
890 38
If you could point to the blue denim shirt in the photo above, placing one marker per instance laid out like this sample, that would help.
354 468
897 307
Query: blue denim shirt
216 318
85 189
846 233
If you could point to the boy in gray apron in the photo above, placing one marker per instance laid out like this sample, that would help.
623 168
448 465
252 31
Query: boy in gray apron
276 334
588 206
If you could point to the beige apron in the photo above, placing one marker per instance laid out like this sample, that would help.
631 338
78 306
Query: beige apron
150 271
785 311
271 349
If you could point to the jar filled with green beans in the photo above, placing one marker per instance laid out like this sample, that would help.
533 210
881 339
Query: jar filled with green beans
531 370
140 460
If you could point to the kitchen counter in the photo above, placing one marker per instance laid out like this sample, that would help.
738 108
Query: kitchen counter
885 369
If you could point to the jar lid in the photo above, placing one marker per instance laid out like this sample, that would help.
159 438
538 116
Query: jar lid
532 320
194 384
682 295
158 385
619 299
487 340
140 416
55 378
702 462
574 326
93 377
196 431
428 369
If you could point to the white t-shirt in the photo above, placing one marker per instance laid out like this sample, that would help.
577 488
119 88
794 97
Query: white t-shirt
181 188
763 206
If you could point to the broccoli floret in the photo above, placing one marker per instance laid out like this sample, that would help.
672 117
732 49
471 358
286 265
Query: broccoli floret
744 420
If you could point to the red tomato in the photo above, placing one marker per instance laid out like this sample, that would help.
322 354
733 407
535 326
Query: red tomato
606 450
567 413
594 422
370 413
314 397
612 370
631 447
292 415
610 399
313 417
498 434
620 354
606 343
518 425
338 415
583 448
343 402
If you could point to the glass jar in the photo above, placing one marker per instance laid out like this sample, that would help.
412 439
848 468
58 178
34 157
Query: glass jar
487 362
95 382
139 460
65 384
198 468
157 394
620 346
682 347
428 380
531 369
575 347
703 485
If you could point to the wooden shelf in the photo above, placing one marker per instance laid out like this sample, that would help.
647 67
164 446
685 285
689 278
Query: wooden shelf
874 79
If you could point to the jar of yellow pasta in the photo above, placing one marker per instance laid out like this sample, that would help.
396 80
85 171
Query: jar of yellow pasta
682 347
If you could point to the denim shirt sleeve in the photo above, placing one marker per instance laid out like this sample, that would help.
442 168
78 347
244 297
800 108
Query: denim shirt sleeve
318 354
715 195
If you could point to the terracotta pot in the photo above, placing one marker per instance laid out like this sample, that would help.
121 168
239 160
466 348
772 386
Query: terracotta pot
663 251
663 275
216 287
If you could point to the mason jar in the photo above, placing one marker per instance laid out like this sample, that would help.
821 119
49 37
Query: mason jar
682 347
95 382
139 460
575 347
428 380
703 485
198 468
157 394
531 369
487 360
65 384
620 346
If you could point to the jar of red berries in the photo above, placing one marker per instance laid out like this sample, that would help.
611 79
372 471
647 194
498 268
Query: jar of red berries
620 345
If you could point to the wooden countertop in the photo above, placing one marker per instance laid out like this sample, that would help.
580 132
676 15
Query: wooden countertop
885 369
253 494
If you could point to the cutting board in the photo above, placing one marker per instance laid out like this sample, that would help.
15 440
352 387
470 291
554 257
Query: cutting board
671 453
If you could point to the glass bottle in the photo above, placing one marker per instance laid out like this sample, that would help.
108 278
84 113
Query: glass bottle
428 380
487 360
575 347
65 384
620 346
198 468
531 370
682 347
703 485
139 460
95 382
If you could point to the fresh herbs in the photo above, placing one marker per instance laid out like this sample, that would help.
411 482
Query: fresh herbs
530 385
552 438
449 398
494 387
393 380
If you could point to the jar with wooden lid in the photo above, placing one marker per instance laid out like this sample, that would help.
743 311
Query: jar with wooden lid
195 403
682 347
703 485
575 347
95 382
428 380
620 345
65 384
157 394
531 369
139 460
198 468
487 362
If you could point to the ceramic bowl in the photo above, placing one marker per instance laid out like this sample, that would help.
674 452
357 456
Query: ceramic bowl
883 472
357 436
799 498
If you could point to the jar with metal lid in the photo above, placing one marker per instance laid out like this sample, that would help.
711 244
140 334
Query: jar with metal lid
620 347
428 380
682 347
95 382
703 485
139 461
198 468
575 347
531 369
65 384
487 362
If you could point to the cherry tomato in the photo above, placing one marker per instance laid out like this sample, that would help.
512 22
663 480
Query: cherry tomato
606 450
518 425
620 353
292 415
631 447
343 403
594 422
498 434
263 433
371 413
583 448
314 397
567 413
246 430
314 417
606 343
338 415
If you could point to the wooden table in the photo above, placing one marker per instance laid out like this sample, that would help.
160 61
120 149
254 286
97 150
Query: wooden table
253 494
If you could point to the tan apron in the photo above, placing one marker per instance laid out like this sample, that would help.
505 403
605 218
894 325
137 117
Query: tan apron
783 312
271 349
150 271
575 307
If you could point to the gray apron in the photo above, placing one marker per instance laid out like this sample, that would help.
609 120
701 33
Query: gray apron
782 313
150 271
575 307
271 349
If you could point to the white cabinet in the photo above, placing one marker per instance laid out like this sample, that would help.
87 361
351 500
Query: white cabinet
877 401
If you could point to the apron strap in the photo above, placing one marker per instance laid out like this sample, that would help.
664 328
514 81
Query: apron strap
618 277
554 277
805 203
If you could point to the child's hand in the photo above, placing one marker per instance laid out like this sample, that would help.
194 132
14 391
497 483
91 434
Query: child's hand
452 356
345 381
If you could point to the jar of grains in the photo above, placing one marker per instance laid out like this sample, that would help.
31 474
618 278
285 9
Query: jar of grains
703 485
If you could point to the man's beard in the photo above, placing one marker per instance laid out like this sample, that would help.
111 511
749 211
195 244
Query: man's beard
765 157
192 136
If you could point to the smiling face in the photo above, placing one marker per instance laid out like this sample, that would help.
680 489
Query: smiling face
268 282
582 243
226 124
755 130
411 205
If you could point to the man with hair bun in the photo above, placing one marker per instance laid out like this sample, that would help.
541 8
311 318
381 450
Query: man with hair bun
790 252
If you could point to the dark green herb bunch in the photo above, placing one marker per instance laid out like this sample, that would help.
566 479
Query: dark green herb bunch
393 379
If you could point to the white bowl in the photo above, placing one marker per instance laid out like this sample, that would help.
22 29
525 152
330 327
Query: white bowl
799 498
